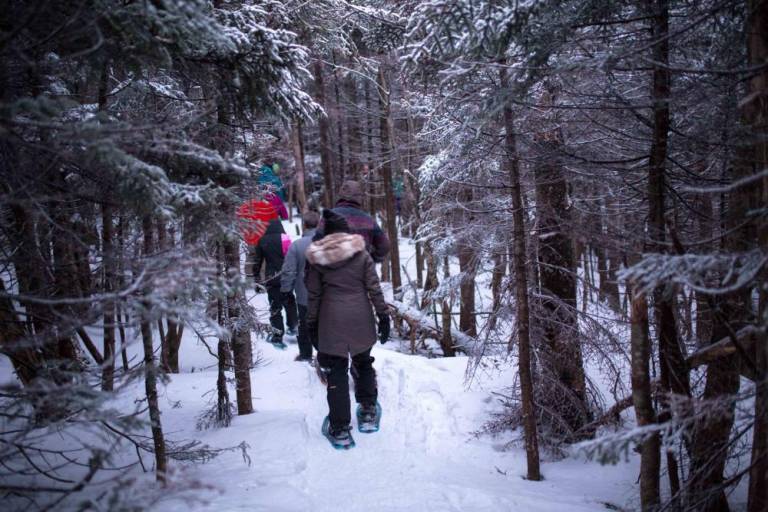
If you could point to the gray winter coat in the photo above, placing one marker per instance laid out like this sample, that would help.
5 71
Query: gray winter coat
342 285
292 276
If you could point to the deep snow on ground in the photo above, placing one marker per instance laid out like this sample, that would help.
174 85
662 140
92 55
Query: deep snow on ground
427 455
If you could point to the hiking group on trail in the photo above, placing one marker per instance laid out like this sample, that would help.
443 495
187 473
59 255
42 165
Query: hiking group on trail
331 269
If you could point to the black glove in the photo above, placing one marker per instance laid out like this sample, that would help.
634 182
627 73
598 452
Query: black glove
383 327
312 332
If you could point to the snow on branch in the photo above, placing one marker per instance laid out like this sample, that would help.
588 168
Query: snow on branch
711 274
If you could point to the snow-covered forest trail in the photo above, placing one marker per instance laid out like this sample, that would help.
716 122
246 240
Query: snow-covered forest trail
426 456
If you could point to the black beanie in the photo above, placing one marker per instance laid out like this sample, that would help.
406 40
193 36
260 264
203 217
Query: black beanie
334 223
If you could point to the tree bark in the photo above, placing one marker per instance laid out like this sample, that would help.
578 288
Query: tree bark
298 156
386 174
240 337
674 373
446 308
757 115
108 370
650 456
521 293
324 128
467 266
563 361
150 371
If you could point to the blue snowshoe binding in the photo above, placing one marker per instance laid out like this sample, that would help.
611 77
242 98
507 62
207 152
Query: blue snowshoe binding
341 440
368 418
277 341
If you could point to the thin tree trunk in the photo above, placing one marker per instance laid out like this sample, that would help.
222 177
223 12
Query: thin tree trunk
121 282
386 174
240 336
467 320
26 362
521 294
497 279
298 156
323 128
674 373
430 284
446 307
150 372
108 262
757 114
567 395
650 456
341 159
108 370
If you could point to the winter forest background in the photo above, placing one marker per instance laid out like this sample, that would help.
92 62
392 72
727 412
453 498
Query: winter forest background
578 190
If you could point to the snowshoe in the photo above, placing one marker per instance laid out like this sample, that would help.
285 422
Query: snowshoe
277 342
292 332
368 418
341 440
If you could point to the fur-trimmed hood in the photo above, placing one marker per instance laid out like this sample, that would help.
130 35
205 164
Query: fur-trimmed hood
334 249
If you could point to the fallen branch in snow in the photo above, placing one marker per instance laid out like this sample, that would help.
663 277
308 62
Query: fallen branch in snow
744 341
612 415
422 327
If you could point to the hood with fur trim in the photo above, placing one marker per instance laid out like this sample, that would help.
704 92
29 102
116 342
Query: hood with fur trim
333 249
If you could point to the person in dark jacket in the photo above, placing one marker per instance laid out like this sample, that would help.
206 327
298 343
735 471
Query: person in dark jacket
292 279
342 291
269 252
360 223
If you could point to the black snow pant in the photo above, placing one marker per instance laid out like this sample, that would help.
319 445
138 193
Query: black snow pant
276 310
305 345
363 374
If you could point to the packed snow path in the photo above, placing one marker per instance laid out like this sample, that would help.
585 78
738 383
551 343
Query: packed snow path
424 458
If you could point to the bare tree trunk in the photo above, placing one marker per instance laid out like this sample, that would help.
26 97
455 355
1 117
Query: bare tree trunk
497 279
298 156
430 284
354 147
386 174
567 394
25 360
108 371
223 405
446 308
240 337
150 372
108 262
674 373
341 158
467 265
650 456
521 293
121 282
757 114
173 339
324 128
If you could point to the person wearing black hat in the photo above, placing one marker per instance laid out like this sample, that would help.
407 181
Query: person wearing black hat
359 222
343 289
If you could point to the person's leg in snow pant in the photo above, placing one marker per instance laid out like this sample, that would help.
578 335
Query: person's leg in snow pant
335 369
364 376
275 309
305 346
291 317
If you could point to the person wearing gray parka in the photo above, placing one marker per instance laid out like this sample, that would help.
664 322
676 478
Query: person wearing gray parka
292 279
